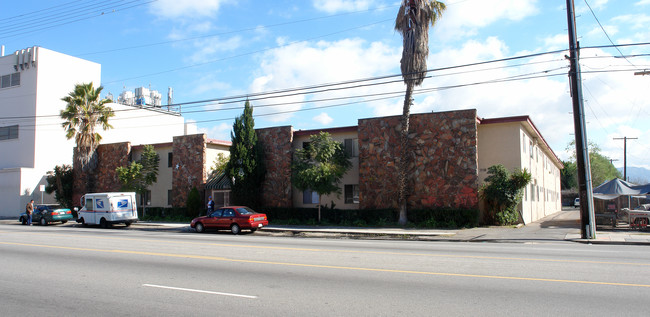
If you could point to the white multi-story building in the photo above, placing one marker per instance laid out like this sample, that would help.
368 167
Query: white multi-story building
32 140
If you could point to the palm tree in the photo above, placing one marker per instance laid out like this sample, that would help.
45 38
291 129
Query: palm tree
85 110
412 22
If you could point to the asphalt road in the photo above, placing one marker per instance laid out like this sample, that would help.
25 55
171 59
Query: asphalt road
73 271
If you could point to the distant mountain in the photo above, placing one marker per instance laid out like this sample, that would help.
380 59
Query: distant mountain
637 175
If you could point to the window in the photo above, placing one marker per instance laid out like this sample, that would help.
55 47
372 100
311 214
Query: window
147 198
531 149
15 79
89 204
5 81
169 197
309 197
170 155
305 145
351 147
221 198
10 80
351 194
10 132
228 213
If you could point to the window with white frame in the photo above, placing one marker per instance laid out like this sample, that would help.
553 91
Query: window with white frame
221 198
351 194
309 197
351 147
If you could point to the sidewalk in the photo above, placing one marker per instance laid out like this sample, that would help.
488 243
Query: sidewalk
563 226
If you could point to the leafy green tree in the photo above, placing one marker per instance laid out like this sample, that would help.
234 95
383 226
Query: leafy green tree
59 182
502 192
138 176
83 113
602 168
320 166
219 165
246 163
569 175
413 20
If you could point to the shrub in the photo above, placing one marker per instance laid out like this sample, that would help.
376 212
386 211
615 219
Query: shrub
194 204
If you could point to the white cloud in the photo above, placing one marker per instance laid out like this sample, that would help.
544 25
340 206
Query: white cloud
467 17
323 119
642 2
220 131
305 64
185 9
334 6
210 48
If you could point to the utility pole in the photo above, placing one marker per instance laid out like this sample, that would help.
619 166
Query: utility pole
587 222
625 155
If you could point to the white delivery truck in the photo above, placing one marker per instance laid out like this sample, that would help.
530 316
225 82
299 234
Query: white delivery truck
105 209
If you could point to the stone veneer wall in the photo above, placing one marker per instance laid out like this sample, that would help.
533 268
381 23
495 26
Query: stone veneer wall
109 158
189 167
276 189
444 166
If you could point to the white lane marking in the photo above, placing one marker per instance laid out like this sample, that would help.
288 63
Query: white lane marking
199 291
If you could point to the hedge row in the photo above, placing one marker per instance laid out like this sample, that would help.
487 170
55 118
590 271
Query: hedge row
424 218
427 218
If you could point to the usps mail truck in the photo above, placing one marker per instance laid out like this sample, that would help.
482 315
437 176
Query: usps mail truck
106 209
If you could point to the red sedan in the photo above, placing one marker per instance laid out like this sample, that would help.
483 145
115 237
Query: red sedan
233 218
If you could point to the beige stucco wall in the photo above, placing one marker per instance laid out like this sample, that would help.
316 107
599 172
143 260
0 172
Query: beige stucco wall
350 178
510 144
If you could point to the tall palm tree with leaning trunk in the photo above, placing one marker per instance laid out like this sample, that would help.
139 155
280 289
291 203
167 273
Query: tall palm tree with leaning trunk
85 110
412 22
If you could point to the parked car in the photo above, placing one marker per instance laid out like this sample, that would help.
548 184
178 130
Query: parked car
576 203
233 218
44 214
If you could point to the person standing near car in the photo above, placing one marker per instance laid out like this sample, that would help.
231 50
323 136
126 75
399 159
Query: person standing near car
29 209
210 205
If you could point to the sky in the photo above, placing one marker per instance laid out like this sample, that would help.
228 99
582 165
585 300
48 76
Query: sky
316 64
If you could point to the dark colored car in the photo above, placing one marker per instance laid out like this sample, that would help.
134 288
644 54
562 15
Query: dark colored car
233 218
44 214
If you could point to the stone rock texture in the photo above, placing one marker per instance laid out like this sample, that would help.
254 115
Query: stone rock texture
189 167
102 178
276 189
444 163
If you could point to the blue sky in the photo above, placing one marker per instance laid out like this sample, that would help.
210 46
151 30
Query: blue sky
219 49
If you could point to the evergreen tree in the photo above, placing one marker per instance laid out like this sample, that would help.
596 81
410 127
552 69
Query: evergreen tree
246 165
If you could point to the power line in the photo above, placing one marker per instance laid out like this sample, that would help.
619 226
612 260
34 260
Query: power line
310 89
390 95
607 35
97 12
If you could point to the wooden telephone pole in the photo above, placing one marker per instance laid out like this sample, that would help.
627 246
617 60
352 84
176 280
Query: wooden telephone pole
625 155
587 221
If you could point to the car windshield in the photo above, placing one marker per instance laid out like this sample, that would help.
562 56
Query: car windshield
245 211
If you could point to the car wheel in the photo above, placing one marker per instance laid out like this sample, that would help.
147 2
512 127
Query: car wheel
235 228
199 227
63 222
43 222
83 222
253 230
103 223
128 223
23 220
